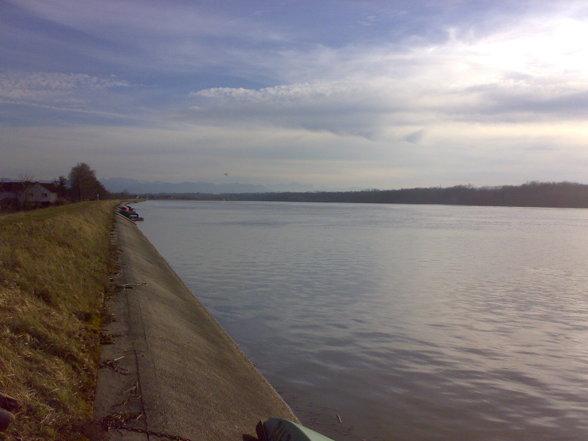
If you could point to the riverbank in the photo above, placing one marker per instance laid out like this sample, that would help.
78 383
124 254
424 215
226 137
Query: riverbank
165 366
54 274
171 369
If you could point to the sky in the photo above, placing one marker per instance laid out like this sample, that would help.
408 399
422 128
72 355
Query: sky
335 94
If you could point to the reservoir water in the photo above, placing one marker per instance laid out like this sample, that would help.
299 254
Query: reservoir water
398 322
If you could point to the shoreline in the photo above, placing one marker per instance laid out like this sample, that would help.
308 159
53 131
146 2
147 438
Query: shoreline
168 367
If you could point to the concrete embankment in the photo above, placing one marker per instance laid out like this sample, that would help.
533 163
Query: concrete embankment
168 370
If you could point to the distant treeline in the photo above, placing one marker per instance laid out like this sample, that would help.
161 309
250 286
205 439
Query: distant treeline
532 194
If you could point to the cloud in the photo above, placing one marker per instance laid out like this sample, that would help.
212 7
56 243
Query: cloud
173 19
42 86
342 107
37 96
370 90
531 73
135 36
415 137
483 154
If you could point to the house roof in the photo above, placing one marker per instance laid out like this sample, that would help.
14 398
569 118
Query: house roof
19 186
50 187
11 186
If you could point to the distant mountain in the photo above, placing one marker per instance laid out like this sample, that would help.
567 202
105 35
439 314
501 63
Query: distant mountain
140 187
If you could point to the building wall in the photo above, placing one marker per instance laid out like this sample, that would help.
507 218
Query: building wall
19 195
39 194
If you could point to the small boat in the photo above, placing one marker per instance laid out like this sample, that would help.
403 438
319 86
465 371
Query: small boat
128 211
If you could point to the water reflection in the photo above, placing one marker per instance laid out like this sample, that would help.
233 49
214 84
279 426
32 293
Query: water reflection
410 322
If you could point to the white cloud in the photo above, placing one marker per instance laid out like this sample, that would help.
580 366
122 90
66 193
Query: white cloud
537 72
481 154
44 86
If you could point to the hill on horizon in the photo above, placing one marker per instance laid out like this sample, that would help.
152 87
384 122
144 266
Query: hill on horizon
135 186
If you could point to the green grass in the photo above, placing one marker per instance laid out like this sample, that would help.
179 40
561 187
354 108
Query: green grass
55 265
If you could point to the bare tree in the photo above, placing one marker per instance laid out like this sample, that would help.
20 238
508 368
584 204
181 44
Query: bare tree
27 182
61 186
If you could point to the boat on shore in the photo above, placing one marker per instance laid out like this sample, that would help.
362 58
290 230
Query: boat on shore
129 212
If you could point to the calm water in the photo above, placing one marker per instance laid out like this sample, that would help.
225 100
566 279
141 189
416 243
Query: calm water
409 322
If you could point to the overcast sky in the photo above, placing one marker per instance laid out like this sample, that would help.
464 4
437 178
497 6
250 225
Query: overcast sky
332 93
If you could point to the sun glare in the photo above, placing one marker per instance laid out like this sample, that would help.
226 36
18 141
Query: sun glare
557 47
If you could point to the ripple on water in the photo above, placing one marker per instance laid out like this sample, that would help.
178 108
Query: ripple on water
409 322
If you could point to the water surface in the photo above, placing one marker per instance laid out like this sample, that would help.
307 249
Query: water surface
408 322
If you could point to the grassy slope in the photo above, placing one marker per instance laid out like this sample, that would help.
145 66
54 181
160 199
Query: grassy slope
54 273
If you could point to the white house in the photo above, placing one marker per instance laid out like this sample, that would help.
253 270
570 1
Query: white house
27 194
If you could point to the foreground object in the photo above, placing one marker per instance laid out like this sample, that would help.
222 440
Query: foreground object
7 405
279 429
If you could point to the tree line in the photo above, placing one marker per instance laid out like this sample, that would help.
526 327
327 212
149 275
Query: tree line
531 194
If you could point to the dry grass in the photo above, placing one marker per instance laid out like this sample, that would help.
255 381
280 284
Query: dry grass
54 273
